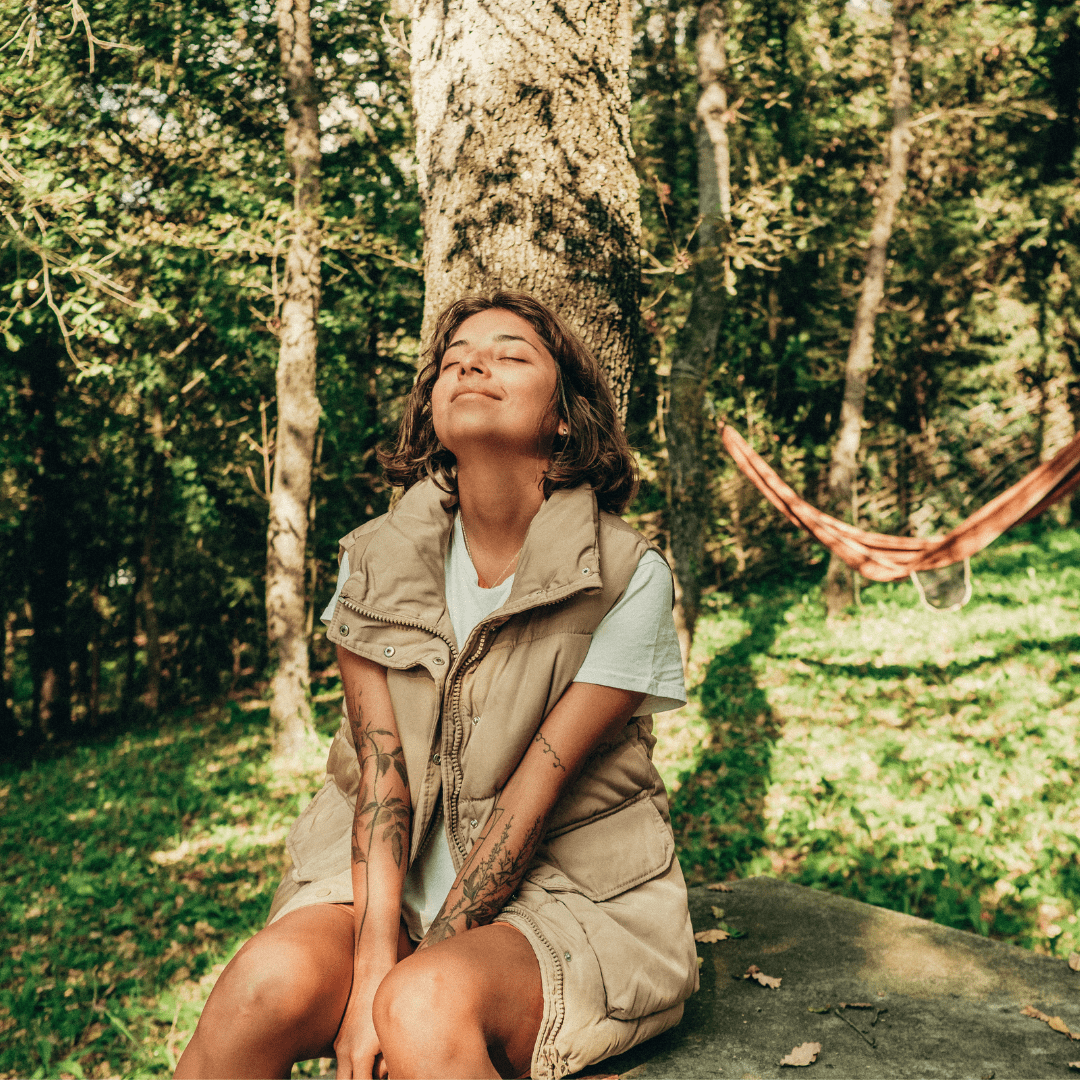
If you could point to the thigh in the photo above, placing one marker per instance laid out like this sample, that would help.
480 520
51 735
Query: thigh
492 972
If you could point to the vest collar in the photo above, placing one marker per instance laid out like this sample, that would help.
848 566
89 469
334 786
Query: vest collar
401 576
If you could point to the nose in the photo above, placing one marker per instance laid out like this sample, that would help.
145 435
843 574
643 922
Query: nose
474 362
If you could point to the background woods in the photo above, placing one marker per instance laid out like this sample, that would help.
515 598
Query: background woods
849 228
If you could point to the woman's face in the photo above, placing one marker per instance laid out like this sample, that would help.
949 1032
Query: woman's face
495 388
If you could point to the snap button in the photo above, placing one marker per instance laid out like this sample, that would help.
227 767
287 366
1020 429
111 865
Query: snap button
322 892
343 630
388 651
435 759
439 660
476 719
584 569
473 823
566 956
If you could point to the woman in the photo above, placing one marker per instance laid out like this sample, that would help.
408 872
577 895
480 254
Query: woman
486 885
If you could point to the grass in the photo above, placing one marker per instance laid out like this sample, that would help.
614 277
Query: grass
924 762
132 871
919 761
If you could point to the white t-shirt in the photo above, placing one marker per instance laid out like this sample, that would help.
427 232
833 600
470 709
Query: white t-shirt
634 648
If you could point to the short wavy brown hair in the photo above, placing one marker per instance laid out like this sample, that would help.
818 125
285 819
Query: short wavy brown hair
595 452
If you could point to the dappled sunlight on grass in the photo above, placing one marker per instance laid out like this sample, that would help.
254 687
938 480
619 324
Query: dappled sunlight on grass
921 761
133 870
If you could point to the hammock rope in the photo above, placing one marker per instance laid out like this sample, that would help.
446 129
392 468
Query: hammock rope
879 557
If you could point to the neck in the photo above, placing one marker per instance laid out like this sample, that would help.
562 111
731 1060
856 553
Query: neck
498 501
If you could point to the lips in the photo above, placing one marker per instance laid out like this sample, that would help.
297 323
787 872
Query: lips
471 390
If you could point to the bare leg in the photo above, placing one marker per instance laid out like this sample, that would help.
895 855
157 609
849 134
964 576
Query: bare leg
281 998
470 1006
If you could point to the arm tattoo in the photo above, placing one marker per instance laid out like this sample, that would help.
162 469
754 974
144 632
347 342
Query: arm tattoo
378 751
486 880
549 749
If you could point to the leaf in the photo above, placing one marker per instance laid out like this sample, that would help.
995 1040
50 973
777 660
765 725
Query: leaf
755 973
1074 1064
719 886
711 935
717 912
819 1008
1074 961
855 1005
1055 1022
806 1054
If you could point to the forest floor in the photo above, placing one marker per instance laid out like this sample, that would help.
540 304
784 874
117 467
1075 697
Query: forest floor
915 760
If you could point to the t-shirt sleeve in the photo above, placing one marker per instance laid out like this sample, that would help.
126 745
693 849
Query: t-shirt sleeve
342 576
635 647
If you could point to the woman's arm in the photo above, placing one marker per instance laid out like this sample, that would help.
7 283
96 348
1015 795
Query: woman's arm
380 852
585 716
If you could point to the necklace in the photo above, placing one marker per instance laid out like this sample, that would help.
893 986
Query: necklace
498 580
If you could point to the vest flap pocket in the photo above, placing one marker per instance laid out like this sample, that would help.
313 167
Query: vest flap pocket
607 854
320 840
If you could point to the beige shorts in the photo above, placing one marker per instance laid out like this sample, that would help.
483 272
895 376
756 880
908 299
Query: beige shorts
608 984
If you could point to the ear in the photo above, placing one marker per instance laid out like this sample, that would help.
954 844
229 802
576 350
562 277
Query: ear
564 430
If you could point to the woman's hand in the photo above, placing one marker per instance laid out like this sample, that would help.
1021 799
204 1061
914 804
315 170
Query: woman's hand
357 1044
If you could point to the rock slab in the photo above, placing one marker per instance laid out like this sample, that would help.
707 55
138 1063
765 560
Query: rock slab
943 1003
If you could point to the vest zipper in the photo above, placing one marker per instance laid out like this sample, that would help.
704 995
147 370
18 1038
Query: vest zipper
455 698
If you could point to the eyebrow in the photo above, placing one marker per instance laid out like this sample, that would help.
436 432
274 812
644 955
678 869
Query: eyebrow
499 337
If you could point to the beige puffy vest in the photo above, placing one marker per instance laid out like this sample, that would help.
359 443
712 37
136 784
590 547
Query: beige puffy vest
467 711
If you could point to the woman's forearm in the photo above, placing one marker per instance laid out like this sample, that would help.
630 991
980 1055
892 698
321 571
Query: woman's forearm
492 870
380 830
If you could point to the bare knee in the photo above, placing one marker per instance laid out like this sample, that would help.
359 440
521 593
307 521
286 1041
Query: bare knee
425 1014
263 987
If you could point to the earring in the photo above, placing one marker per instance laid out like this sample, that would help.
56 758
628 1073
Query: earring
564 430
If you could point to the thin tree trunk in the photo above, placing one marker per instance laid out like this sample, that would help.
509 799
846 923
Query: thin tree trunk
297 402
49 546
152 694
695 349
523 148
839 591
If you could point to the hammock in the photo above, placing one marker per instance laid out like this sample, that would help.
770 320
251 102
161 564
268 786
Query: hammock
891 558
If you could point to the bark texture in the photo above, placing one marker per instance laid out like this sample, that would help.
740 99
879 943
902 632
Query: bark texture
298 406
523 146
695 348
843 469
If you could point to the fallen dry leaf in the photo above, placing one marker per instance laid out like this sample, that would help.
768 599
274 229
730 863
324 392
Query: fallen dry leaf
1055 1022
711 935
1074 961
717 912
755 973
806 1054
855 1005
719 886
1074 1064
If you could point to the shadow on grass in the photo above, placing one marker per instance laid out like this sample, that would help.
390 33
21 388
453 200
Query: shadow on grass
717 812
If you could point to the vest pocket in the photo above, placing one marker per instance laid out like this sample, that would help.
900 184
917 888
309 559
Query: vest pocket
607 854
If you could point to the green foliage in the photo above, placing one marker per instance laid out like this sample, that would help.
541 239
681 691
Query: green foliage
923 762
133 869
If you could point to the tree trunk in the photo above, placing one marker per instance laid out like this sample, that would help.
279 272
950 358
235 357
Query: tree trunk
297 403
49 545
152 694
695 348
839 590
523 148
